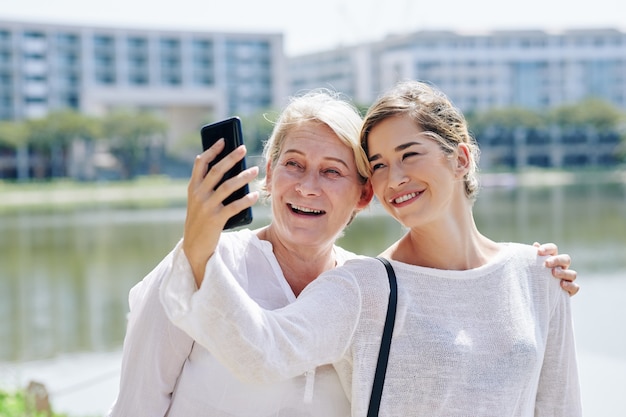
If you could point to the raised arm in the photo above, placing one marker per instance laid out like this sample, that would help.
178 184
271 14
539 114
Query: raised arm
206 215
262 345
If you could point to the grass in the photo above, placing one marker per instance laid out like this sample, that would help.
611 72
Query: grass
19 404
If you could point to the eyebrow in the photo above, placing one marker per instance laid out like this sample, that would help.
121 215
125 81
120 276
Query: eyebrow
396 149
329 158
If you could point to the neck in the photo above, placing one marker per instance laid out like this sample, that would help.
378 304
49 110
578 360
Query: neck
300 264
454 244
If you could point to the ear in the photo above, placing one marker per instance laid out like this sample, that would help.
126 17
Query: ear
367 193
268 177
462 160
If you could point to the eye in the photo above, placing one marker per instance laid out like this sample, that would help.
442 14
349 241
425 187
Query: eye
377 166
292 164
409 154
332 172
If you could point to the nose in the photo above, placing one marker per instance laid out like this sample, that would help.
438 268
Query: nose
397 176
309 184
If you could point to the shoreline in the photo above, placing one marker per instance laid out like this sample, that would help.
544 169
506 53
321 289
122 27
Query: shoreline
151 191
161 191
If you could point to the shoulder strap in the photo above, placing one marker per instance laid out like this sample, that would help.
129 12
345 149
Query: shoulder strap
385 345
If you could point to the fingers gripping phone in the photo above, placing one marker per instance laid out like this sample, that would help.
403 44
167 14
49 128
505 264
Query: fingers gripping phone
230 130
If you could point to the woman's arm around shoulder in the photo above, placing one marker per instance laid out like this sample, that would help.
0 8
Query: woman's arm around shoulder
558 392
560 266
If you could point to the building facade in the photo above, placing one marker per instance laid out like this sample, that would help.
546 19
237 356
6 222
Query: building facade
190 76
480 71
184 76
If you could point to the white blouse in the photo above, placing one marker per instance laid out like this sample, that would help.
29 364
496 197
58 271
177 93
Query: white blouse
492 341
165 373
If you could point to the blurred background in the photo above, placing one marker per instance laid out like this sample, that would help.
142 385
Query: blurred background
100 111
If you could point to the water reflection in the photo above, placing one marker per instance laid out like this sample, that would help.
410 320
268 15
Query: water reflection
65 276
588 221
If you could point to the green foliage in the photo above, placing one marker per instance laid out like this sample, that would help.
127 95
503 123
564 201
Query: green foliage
13 134
137 138
187 146
60 128
14 404
257 129
508 118
589 112
127 125
130 134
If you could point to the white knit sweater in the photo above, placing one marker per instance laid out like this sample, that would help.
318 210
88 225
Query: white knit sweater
493 341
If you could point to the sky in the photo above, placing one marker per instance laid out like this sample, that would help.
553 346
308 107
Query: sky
314 25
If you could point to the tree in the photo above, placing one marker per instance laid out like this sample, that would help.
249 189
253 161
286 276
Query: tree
132 136
13 134
505 118
592 112
50 137
14 137
257 129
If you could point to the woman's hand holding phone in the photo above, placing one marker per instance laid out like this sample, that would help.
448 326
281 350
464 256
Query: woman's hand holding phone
207 214
229 130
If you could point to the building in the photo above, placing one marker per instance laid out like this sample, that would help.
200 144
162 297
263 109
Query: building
479 71
185 76
534 69
192 76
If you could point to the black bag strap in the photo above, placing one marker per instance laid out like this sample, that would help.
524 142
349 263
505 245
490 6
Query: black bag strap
385 344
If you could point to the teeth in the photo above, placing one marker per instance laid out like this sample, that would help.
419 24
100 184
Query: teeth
404 198
306 210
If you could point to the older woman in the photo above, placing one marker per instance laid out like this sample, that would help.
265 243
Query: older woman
163 371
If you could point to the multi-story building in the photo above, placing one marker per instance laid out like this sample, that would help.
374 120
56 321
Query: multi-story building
533 69
185 76
188 76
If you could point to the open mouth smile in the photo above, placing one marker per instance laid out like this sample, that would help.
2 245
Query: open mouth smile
404 198
306 210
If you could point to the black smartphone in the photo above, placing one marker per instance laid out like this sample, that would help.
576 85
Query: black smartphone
230 130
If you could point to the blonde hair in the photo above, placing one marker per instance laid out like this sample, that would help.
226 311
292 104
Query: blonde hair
325 107
434 113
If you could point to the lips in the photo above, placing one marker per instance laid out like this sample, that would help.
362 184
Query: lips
306 210
404 198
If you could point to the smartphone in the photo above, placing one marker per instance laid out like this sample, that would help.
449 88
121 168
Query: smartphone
230 130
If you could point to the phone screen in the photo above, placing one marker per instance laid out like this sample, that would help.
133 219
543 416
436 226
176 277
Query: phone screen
230 130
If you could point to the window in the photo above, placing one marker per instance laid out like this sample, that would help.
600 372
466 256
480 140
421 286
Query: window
67 40
5 57
103 41
34 35
138 79
35 100
137 43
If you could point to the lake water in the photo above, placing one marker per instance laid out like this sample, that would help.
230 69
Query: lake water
64 281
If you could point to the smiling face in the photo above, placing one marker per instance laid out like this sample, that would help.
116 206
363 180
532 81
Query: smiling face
314 186
413 178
